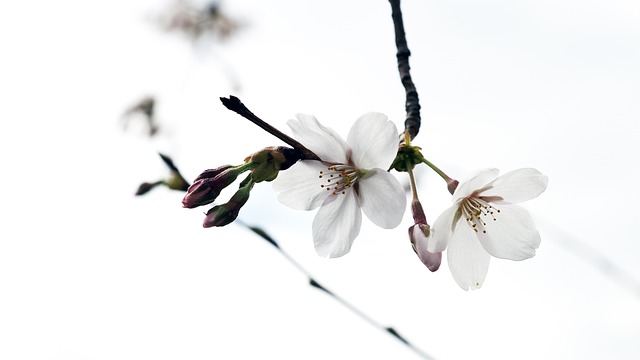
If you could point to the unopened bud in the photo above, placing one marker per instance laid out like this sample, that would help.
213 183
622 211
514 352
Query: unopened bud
211 173
145 187
225 214
208 185
419 236
269 161
177 182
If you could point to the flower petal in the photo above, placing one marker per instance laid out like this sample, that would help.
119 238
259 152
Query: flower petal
467 259
512 235
299 186
442 230
430 260
474 183
517 186
373 141
323 141
336 225
382 198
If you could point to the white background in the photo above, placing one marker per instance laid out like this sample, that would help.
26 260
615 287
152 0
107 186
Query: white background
88 271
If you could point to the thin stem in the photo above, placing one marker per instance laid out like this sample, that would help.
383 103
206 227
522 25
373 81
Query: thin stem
412 104
391 331
234 104
437 170
412 181
452 184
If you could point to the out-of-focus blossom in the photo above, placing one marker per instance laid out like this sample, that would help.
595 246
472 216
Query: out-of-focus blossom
144 108
196 22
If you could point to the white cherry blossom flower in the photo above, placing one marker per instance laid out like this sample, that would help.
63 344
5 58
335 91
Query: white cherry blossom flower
485 221
351 176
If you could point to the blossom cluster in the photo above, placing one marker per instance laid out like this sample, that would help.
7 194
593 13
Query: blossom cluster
350 177
485 219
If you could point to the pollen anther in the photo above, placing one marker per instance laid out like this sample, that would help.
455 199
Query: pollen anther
341 177
476 210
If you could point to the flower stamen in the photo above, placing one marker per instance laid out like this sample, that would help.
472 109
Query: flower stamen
476 210
340 178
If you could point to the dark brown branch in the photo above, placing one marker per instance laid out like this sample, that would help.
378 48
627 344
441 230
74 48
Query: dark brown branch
412 104
234 104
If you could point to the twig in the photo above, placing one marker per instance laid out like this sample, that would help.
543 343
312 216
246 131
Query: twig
412 104
389 330
234 104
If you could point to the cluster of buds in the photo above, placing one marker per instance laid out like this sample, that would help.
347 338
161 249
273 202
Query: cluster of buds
263 165
208 185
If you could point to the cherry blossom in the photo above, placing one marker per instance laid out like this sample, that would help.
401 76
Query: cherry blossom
351 178
485 221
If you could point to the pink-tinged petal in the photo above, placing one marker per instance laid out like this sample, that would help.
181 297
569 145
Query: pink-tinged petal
512 235
382 198
430 260
299 186
336 225
323 141
442 230
467 259
474 183
373 141
517 186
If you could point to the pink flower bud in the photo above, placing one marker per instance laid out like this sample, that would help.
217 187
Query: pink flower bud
211 173
419 235
208 185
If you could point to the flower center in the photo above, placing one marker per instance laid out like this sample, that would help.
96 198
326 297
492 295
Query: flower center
338 178
476 211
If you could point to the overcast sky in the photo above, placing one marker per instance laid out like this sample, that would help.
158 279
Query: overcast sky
88 271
